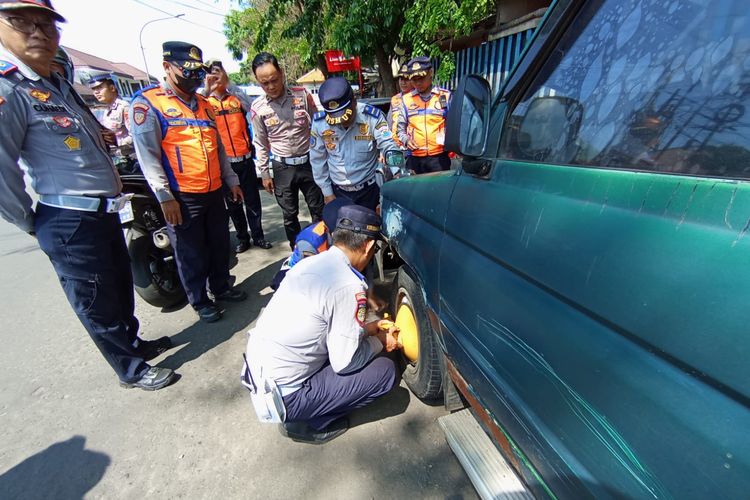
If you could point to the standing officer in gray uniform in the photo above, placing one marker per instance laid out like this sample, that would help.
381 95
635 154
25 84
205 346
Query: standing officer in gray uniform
345 143
47 125
115 118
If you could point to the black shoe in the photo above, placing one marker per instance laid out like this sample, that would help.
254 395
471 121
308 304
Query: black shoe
154 379
209 313
231 295
243 246
303 433
265 245
153 348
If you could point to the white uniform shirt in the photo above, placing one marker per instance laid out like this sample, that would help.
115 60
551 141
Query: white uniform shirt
316 315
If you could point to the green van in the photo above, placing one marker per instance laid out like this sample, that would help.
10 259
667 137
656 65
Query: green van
582 279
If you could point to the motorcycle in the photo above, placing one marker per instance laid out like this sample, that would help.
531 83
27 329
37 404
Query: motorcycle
155 276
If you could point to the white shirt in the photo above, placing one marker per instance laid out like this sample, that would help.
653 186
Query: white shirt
316 315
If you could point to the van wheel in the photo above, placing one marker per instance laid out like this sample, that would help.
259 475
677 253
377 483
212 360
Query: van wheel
420 352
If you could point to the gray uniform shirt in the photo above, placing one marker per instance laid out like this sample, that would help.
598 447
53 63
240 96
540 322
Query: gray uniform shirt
147 141
348 156
55 136
316 315
281 126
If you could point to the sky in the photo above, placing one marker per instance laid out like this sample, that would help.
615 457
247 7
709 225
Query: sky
110 29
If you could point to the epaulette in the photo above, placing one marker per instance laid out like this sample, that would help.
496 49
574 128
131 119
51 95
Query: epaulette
144 89
7 68
319 115
372 111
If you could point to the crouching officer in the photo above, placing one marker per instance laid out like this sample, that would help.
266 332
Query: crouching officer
311 368
115 117
345 143
46 124
182 157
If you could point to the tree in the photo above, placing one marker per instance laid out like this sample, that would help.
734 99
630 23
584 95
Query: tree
429 21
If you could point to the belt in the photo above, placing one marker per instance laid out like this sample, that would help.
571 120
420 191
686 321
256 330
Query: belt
237 159
86 203
359 186
294 160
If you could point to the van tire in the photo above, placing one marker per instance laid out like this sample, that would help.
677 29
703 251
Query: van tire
424 376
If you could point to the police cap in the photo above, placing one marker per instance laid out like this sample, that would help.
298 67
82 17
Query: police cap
403 71
361 220
97 79
419 66
31 4
331 211
213 63
185 55
337 98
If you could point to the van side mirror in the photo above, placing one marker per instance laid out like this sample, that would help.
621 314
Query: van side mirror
468 119
394 158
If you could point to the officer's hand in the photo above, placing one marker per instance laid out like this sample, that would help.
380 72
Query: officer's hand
329 199
412 145
237 195
268 185
172 212
389 340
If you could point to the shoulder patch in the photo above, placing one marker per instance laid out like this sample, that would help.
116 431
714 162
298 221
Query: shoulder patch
372 111
361 312
7 68
319 115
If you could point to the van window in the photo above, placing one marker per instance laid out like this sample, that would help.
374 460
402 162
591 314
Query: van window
653 85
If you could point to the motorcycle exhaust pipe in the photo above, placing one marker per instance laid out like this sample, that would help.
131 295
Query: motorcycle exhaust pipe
161 238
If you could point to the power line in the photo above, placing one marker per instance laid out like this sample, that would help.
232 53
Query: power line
178 18
197 8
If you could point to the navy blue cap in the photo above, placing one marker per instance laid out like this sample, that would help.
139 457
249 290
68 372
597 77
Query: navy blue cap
419 66
186 55
336 96
31 4
403 71
98 79
361 220
331 211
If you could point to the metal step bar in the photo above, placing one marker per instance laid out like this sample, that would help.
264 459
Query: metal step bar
490 473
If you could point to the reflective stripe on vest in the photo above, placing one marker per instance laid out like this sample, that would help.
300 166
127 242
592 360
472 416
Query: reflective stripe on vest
232 125
425 120
190 142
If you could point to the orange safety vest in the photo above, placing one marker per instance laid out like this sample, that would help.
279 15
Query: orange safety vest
425 121
189 144
232 125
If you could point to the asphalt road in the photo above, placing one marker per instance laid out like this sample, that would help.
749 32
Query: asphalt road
69 430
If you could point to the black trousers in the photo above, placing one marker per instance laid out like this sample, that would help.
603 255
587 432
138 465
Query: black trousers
426 164
88 252
201 245
289 180
368 196
251 215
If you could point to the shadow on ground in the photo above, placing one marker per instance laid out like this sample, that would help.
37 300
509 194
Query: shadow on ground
200 338
64 470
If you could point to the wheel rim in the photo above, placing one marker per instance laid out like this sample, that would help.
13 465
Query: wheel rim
409 332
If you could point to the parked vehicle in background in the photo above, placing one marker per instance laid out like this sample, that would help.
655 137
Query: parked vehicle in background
582 280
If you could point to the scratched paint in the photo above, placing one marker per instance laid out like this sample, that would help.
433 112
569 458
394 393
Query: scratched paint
393 221
594 421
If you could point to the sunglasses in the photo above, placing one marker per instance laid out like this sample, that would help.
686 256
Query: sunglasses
27 27
195 74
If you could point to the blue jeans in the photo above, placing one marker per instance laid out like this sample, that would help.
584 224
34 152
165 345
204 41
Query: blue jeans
88 252
327 396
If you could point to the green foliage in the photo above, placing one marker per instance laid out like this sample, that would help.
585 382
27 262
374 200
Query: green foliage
429 21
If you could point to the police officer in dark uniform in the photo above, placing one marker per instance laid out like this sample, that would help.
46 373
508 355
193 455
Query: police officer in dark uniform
47 125
181 154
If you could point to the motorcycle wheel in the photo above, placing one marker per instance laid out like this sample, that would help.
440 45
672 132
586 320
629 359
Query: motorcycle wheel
154 279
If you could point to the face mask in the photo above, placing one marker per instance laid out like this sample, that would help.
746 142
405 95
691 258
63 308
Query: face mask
187 85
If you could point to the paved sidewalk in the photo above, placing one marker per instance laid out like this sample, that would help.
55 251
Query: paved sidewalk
69 430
